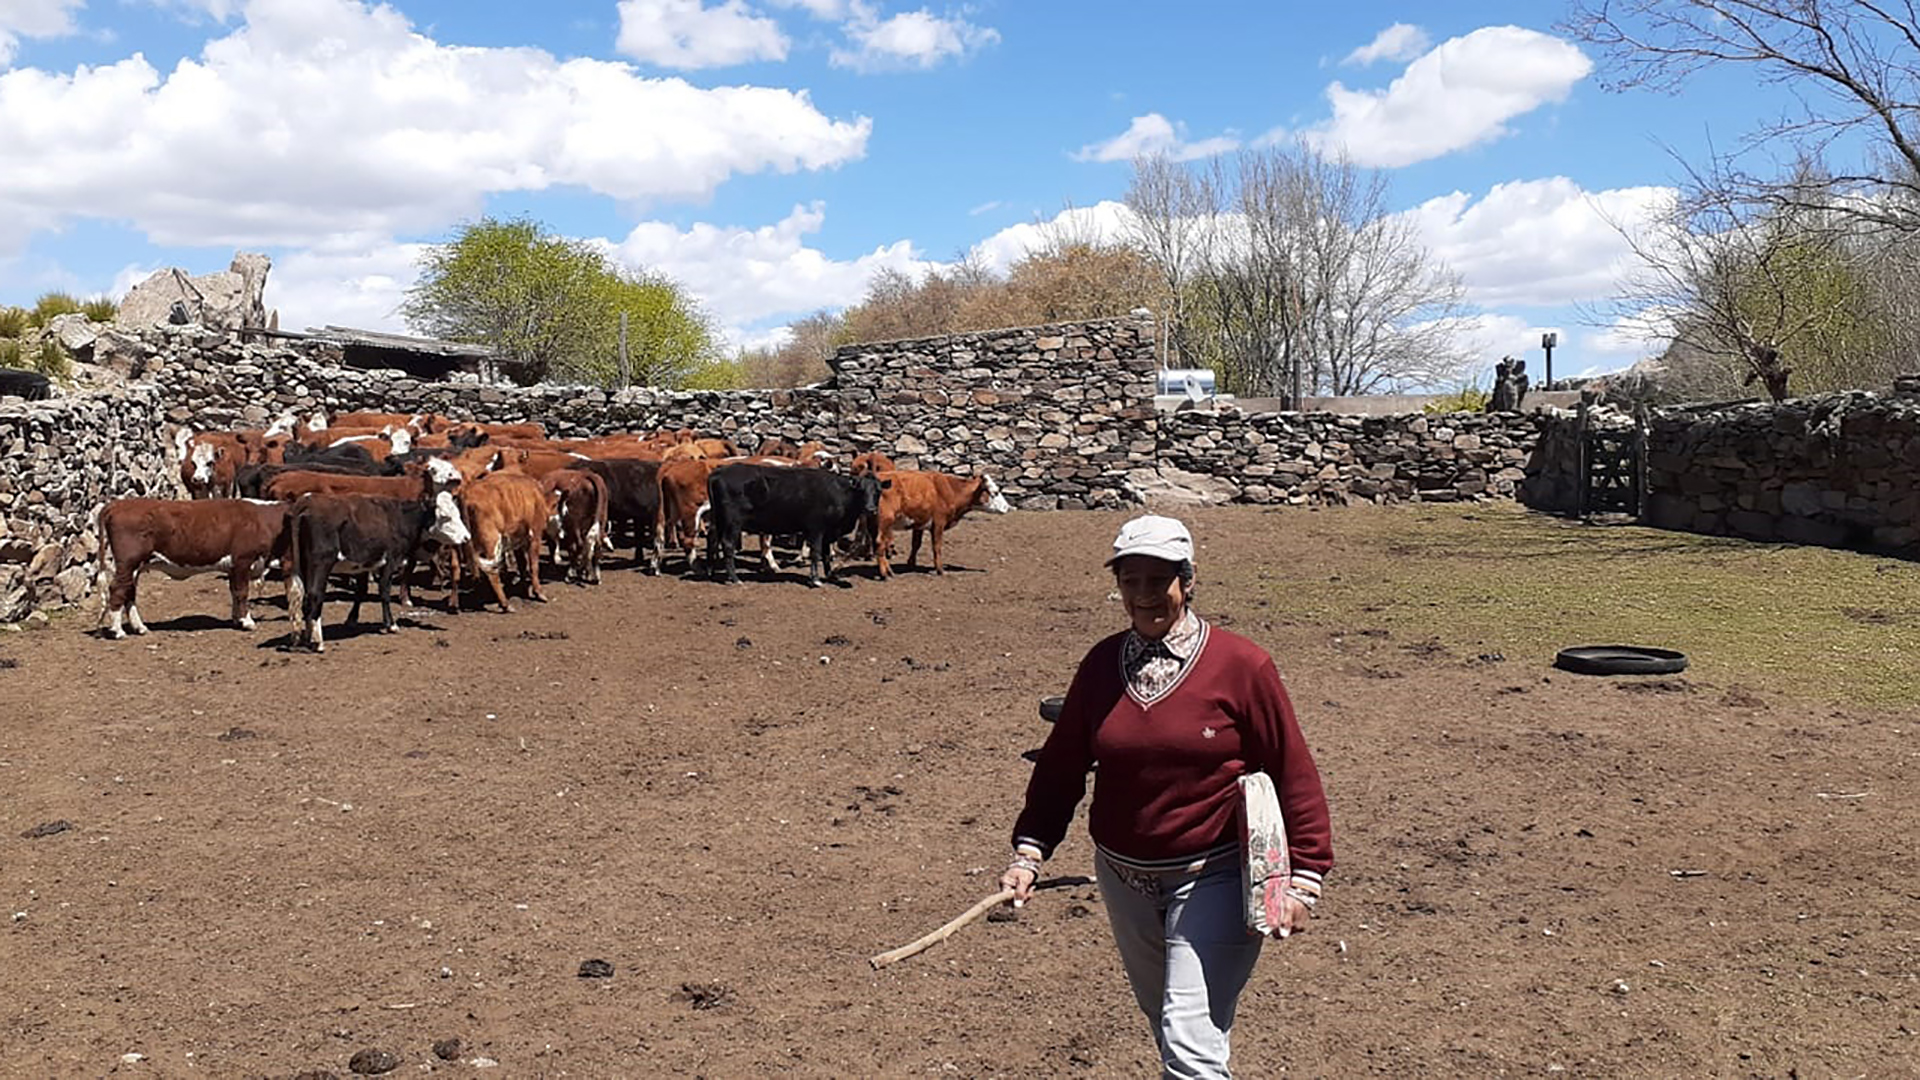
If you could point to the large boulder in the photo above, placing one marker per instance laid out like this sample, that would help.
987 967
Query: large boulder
74 331
230 299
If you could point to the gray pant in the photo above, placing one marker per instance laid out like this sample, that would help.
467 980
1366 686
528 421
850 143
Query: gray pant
1184 942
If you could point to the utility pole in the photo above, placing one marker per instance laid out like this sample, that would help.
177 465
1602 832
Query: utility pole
1547 341
626 376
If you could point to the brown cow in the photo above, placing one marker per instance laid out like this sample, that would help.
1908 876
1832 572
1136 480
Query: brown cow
930 501
579 521
209 461
506 514
237 537
873 461
372 420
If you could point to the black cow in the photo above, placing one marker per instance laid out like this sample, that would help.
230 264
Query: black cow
633 502
27 384
363 535
814 504
348 455
251 480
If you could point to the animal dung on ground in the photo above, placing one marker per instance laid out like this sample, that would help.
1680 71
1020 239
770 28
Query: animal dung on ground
46 828
704 995
596 969
447 1049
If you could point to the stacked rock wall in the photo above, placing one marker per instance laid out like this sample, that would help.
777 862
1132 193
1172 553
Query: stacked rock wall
60 462
1840 470
1327 458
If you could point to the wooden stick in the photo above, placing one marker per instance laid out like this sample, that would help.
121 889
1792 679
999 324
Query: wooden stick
921 945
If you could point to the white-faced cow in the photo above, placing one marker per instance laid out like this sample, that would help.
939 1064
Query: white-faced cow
235 537
370 536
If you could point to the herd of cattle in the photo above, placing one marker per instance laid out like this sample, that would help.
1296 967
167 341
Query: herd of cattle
370 495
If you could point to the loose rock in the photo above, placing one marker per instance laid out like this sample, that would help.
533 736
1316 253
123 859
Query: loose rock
371 1062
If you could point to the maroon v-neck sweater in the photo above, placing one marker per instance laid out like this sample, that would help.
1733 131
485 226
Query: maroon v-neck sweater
1168 786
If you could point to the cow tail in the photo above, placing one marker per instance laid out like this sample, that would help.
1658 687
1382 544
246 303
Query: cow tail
296 584
103 578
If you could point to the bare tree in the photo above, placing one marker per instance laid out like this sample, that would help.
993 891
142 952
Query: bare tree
1302 277
1170 208
1854 65
1760 288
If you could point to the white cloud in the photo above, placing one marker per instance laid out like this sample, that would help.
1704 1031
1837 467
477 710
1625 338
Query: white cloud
747 276
1459 95
1538 242
688 34
1104 222
217 10
985 208
360 286
33 19
911 39
327 117
1401 41
825 10
1155 134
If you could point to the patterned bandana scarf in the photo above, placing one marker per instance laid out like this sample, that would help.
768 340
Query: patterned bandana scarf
1152 666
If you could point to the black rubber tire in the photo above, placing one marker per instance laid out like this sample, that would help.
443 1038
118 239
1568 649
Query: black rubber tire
1050 708
1620 660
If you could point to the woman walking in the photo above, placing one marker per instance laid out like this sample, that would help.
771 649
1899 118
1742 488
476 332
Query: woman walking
1175 711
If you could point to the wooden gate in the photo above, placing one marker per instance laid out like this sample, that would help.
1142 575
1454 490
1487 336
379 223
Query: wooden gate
1613 461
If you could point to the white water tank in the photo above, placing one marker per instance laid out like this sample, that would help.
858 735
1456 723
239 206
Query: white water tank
1195 383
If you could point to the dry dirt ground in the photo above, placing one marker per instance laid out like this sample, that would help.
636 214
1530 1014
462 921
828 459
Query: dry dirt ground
735 795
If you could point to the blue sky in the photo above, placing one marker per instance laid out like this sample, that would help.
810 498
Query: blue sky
773 154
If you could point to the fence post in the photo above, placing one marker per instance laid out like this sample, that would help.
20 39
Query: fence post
1584 490
626 373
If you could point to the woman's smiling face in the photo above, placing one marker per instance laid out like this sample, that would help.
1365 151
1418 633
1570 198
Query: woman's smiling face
1151 591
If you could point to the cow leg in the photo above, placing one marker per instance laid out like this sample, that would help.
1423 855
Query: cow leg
533 569
820 552
387 625
126 574
453 562
134 622
240 584
883 545
766 553
359 595
913 553
939 567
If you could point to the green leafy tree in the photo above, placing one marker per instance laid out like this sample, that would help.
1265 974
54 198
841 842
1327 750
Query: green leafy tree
669 338
552 307
536 297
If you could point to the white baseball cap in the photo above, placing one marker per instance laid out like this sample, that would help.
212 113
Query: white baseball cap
1155 536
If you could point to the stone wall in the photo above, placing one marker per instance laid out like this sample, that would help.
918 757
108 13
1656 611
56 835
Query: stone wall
60 462
1839 470
1326 458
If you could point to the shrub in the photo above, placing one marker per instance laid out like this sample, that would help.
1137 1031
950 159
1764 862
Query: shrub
10 353
53 303
13 322
1466 399
51 360
100 308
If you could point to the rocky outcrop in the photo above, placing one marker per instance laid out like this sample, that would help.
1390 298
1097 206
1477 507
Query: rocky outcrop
230 299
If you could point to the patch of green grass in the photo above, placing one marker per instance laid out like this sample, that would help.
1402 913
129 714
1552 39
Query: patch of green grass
100 309
1806 621
49 305
13 321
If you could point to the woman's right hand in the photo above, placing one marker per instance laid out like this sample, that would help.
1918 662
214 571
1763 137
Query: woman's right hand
1020 879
